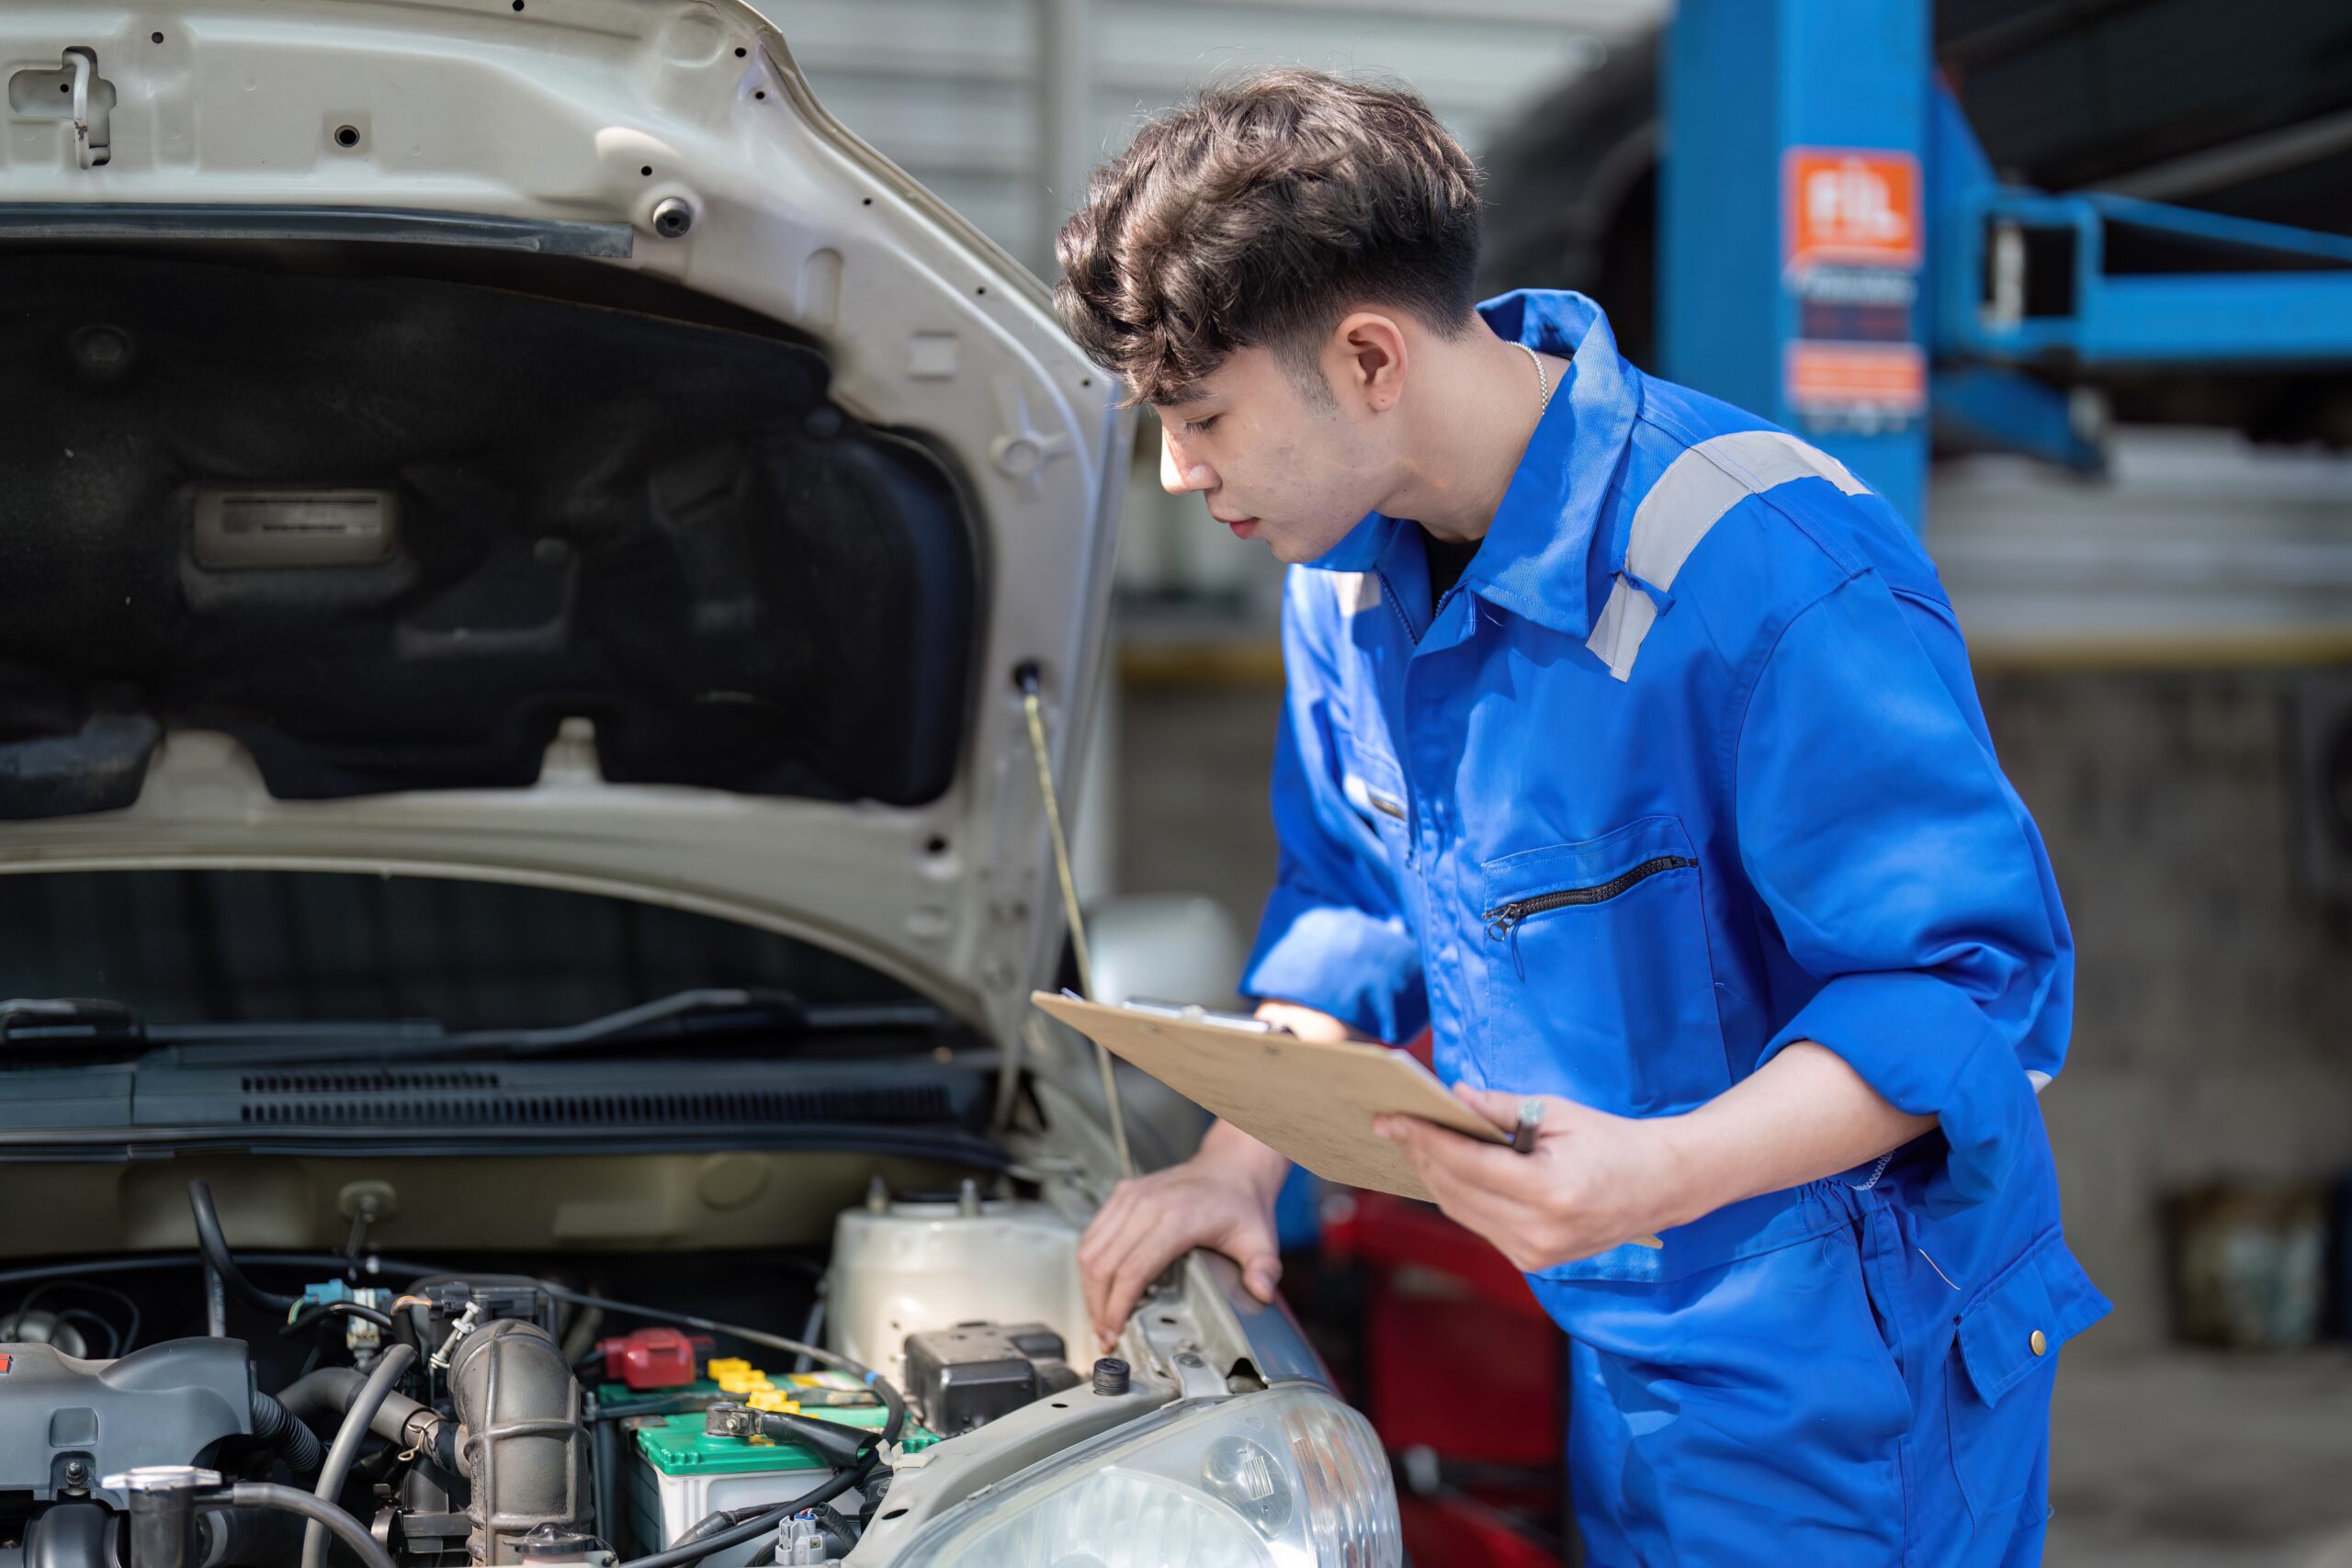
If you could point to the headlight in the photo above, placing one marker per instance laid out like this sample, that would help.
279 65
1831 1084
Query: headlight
1288 1478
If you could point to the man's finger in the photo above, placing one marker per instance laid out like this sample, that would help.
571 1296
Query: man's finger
1136 1270
1462 1159
1494 1105
1106 1241
1142 1233
1260 1271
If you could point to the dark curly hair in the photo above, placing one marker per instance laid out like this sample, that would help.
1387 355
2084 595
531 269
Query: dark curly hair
1254 215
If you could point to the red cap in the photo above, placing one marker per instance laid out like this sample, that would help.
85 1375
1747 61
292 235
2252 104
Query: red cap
651 1358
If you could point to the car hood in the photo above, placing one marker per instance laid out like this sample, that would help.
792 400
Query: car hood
534 442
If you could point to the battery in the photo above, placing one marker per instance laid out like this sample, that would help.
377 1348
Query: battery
681 1474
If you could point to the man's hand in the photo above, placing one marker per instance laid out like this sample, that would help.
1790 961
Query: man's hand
1223 1199
1594 1181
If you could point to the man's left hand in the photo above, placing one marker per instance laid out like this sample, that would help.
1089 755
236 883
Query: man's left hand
1594 1181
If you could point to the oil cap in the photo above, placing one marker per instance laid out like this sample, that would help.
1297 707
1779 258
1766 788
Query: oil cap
1110 1376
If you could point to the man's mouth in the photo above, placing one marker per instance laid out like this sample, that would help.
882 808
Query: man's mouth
1243 527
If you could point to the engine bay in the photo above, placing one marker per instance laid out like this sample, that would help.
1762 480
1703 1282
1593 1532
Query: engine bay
237 1408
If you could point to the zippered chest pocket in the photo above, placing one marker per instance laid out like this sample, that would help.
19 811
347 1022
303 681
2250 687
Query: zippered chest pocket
1598 981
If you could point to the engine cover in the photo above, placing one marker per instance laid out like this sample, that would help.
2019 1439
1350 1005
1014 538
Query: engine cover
168 1403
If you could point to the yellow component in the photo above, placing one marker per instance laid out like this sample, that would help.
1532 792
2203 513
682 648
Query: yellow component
724 1366
775 1400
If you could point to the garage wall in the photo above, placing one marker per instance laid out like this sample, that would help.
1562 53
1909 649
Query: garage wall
960 93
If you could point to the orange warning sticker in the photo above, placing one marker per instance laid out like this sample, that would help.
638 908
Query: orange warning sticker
1891 377
1851 204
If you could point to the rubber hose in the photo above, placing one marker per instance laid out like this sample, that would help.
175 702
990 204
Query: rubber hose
324 1517
323 1395
346 1448
215 1248
688 1553
295 1443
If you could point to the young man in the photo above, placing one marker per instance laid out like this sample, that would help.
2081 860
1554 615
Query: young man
1631 743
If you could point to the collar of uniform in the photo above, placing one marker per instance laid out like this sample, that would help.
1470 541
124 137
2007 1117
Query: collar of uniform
1533 560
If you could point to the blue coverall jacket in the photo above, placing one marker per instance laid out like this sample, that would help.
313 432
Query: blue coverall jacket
1688 766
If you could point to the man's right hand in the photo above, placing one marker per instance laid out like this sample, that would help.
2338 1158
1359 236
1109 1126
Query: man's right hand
1223 1199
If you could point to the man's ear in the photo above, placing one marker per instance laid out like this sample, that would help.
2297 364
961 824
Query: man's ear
1365 360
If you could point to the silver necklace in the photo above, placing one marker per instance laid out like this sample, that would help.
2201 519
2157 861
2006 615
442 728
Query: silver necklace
1542 383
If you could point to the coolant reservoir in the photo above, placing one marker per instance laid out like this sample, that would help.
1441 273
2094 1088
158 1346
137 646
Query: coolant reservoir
908 1267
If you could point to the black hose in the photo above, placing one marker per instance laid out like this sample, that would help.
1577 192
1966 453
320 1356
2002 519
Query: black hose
295 1443
119 1265
691 1552
891 1400
324 1396
347 1439
325 1515
215 1248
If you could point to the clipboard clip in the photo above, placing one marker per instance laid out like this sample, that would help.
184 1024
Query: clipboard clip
1193 1012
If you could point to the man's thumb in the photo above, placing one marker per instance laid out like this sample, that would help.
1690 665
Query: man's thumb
1260 1275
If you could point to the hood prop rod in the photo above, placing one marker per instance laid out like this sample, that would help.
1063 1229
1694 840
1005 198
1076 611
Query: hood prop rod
1028 677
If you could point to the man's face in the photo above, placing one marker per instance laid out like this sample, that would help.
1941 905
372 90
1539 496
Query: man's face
1273 460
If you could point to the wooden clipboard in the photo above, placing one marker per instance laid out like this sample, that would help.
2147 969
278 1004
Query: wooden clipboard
1311 1101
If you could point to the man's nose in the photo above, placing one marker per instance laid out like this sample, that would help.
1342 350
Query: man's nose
1178 474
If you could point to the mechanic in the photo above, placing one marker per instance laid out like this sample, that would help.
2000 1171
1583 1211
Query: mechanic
1631 744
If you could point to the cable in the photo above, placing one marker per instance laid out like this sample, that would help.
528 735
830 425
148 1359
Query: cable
687 1552
1030 704
873 1380
347 1439
215 1248
294 1500
114 1334
306 1317
119 1265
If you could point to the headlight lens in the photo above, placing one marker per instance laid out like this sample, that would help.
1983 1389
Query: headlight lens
1289 1478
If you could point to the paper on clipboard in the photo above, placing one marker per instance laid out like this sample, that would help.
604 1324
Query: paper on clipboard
1306 1098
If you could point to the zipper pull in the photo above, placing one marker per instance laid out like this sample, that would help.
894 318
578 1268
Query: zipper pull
1502 918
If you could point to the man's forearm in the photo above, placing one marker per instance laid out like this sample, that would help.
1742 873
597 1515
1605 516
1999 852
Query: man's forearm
1804 1115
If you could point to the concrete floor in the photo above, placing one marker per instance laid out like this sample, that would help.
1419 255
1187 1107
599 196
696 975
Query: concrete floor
2215 1460
2161 1458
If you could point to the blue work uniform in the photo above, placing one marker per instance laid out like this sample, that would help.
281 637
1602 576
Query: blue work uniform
1688 766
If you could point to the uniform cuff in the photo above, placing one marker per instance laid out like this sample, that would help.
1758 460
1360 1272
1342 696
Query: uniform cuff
1928 1049
1363 970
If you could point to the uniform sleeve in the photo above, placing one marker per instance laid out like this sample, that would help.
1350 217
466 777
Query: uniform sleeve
1333 936
1905 874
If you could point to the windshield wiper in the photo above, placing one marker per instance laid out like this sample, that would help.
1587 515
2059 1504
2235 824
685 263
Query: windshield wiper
705 1012
79 1023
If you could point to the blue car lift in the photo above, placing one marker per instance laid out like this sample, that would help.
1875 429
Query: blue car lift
1838 256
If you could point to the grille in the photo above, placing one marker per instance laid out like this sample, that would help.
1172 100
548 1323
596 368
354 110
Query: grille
921 1103
370 1081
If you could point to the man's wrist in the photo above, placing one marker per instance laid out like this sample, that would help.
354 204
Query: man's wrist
1235 1154
1689 1186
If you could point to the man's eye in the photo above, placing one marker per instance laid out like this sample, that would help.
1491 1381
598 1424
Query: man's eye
1200 427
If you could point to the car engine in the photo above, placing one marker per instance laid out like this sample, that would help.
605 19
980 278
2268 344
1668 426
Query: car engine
457 1419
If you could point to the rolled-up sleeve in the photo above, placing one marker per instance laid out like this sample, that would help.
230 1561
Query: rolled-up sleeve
1333 936
1905 874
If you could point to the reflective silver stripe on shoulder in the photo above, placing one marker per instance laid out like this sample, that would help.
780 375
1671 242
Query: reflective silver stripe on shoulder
1358 591
2038 1079
1690 498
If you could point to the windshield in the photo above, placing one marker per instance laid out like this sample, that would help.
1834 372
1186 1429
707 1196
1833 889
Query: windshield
275 946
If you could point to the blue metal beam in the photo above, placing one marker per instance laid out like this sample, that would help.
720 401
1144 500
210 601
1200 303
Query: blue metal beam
1792 232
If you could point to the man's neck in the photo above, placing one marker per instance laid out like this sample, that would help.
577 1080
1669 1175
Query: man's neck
1476 413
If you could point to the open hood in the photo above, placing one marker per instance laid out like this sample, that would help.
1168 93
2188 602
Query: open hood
531 441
